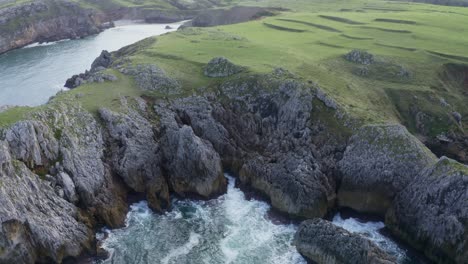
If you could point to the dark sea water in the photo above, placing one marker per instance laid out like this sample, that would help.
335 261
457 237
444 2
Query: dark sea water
29 76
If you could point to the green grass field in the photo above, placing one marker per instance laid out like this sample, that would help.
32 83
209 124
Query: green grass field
311 39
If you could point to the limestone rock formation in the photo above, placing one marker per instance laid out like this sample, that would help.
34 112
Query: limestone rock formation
322 242
379 162
221 67
431 212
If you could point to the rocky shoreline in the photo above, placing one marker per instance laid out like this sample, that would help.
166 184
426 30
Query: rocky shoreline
284 137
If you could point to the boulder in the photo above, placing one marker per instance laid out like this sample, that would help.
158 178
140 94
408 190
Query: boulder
322 242
221 67
379 162
431 212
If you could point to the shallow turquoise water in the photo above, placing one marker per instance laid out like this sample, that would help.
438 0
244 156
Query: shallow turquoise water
31 75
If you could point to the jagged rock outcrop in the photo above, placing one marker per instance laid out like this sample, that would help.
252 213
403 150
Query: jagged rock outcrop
267 135
379 162
221 67
193 166
135 154
36 224
431 212
322 242
47 20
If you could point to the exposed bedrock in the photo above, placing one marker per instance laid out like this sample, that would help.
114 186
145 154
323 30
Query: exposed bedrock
322 242
432 212
379 162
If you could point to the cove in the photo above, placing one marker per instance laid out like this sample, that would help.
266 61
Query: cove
31 75
229 229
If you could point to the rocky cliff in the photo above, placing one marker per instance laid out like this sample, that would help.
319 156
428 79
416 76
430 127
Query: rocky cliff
284 137
47 20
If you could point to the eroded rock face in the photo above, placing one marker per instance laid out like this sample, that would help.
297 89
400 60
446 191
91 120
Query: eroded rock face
81 148
322 242
221 67
135 154
379 162
32 142
35 223
432 212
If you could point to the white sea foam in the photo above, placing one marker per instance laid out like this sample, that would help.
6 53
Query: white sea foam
371 230
227 230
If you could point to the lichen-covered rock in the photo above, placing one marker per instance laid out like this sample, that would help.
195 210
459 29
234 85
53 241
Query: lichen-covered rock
379 162
153 78
431 212
322 242
360 57
135 154
36 224
221 67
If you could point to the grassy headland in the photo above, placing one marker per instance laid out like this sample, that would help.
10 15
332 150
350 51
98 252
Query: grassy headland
310 40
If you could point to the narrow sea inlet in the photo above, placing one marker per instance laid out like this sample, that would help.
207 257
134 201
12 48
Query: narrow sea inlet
229 229
31 75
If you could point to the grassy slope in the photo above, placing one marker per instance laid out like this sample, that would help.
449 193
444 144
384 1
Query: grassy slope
322 31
